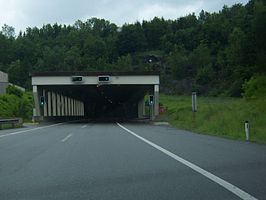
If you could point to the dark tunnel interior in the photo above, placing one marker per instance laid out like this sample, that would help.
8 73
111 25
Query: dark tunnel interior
106 101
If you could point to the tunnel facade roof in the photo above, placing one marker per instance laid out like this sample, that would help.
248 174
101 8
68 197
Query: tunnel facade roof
77 73
92 78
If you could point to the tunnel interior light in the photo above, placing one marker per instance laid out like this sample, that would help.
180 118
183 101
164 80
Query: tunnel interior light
77 79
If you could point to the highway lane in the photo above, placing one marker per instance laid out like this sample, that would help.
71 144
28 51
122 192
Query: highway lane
103 161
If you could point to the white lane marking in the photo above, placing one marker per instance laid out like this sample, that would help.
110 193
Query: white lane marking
66 138
84 126
232 188
29 130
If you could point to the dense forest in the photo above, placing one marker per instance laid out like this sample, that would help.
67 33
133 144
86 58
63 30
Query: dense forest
212 53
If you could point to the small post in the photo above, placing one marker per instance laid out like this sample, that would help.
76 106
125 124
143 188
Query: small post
151 112
151 103
247 130
194 102
33 114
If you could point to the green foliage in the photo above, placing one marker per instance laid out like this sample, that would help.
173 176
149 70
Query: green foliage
8 31
259 31
217 116
123 63
12 105
213 53
15 91
255 88
154 30
131 39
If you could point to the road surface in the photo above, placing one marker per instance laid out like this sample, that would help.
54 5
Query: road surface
127 161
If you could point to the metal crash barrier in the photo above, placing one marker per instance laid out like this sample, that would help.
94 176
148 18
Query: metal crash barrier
13 122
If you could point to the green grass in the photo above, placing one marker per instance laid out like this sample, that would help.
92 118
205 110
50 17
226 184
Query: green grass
217 116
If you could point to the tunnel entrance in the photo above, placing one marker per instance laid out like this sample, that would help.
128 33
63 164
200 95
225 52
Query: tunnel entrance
120 98
105 101
114 101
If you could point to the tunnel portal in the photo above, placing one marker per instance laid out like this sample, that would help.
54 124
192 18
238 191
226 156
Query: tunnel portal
97 95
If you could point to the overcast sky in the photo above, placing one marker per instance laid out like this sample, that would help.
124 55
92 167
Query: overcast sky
29 13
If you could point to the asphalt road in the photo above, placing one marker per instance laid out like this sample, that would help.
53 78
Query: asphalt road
127 161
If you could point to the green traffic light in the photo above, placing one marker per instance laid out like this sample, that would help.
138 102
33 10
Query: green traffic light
42 100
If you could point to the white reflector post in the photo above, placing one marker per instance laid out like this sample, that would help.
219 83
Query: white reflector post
194 102
247 130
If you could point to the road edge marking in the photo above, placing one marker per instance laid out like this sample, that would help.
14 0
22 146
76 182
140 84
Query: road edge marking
84 126
232 188
29 130
66 138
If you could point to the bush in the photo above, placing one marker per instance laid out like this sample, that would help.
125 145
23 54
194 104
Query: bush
12 105
13 90
255 88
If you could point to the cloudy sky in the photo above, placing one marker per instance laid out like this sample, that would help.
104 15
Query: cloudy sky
29 13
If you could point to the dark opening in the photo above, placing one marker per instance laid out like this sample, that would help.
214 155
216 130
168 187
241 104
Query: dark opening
106 101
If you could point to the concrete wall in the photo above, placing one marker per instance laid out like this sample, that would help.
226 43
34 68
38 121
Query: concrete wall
56 105
18 87
3 82
93 80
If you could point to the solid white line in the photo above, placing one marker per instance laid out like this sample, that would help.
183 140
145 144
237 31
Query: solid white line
84 126
29 130
232 188
66 138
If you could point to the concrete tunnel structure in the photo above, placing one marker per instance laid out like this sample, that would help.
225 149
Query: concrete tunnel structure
91 95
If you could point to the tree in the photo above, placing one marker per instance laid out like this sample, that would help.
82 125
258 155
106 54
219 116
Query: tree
178 62
259 34
123 63
52 59
235 49
154 31
72 60
6 50
101 27
13 90
221 49
131 39
17 74
8 31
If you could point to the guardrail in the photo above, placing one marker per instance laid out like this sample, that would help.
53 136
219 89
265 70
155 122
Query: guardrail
13 122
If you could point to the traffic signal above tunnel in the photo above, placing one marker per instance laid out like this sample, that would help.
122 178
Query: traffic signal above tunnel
151 99
42 100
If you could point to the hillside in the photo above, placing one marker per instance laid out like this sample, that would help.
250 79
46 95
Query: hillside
213 53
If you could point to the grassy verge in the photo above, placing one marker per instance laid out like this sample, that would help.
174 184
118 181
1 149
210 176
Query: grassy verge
217 116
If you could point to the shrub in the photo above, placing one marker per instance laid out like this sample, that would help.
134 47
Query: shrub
255 87
12 105
13 90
